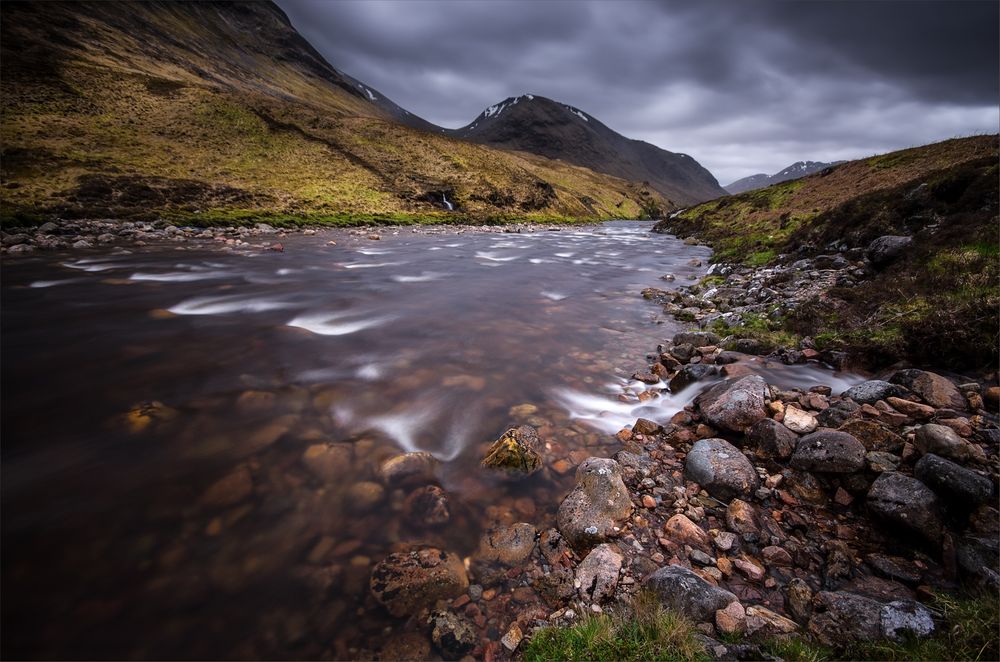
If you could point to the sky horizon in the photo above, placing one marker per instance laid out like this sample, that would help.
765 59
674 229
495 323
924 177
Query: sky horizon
743 88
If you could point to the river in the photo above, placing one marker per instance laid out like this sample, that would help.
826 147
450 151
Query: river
136 378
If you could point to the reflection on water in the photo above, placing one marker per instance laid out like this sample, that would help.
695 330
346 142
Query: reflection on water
238 511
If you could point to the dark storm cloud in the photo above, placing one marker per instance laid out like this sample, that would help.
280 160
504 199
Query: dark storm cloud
743 87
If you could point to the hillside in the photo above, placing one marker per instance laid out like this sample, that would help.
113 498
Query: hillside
222 111
532 123
933 299
761 180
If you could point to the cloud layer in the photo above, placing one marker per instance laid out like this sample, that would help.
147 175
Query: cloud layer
744 87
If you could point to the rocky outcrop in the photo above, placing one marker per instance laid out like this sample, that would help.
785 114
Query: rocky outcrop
721 469
597 507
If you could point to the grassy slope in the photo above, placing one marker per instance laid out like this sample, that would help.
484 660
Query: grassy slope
936 305
140 111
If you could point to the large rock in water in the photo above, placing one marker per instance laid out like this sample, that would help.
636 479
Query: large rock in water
842 618
721 469
907 502
960 486
594 511
404 583
508 545
735 406
680 589
829 451
515 453
936 390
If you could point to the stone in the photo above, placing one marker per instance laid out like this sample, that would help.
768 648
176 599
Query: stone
229 490
880 461
941 440
721 469
776 556
690 374
697 338
742 519
770 439
829 451
681 529
427 506
405 647
453 635
765 623
960 486
724 540
515 453
873 436
887 249
736 405
935 390
871 391
513 638
841 618
328 462
907 502
364 496
646 426
912 409
408 469
732 619
597 506
799 421
798 600
508 545
405 582
597 574
895 567
837 414
902 619
680 589
750 570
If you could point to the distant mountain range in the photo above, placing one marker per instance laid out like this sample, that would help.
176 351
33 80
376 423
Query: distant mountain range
221 111
535 124
761 180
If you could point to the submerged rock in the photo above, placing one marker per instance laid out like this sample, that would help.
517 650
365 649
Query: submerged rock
405 582
508 545
597 507
453 635
427 506
515 452
721 469
408 469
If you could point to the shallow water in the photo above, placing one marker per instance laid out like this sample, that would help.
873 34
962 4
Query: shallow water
421 341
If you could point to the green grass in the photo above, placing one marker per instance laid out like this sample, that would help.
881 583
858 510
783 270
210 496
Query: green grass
647 632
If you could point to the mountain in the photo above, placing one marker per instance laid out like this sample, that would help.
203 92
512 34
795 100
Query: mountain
761 180
534 124
221 112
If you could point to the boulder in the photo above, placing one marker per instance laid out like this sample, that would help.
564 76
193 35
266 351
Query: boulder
515 453
829 451
841 618
721 469
597 574
598 505
956 484
907 502
680 589
405 582
870 392
735 406
772 440
943 441
886 249
935 390
508 545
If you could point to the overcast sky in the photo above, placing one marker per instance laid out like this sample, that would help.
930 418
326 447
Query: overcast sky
743 87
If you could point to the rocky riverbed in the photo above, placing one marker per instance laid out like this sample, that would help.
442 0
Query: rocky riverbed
783 498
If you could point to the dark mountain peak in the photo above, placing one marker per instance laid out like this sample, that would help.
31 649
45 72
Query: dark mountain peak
537 124
794 171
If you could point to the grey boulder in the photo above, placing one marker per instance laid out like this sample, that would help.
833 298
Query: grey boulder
721 469
735 406
907 502
829 451
680 589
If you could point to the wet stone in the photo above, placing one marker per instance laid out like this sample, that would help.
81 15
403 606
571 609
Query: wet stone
408 469
597 507
405 582
597 574
508 545
515 453
721 469
453 635
427 506
328 462
907 502
735 406
960 486
771 439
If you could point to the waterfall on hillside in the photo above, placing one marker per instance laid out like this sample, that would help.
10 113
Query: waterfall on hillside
447 204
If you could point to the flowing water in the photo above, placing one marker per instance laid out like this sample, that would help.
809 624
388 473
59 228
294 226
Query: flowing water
135 379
